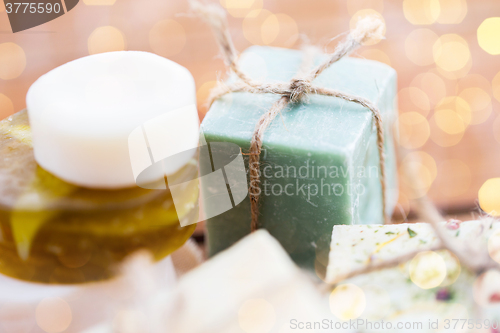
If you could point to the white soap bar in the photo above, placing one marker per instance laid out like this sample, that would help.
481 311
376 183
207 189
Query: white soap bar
391 294
251 287
355 246
83 112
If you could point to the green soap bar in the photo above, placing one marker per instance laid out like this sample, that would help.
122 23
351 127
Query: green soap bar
319 165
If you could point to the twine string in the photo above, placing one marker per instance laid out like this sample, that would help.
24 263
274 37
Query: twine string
292 92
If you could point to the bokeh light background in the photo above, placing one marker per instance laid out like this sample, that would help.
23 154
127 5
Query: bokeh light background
446 53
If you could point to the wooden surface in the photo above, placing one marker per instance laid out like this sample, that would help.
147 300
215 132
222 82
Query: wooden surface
461 168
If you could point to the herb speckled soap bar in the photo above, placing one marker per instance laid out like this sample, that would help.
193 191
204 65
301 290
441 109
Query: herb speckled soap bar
319 165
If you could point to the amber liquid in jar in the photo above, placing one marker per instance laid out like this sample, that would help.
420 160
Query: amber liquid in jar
55 232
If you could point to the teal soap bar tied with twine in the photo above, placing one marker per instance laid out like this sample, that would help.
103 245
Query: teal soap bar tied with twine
316 135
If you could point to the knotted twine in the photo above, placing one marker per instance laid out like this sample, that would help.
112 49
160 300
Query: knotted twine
293 92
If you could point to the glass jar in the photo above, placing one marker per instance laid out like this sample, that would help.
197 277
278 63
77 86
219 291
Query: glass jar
55 232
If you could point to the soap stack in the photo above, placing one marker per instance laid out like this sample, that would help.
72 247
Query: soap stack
70 208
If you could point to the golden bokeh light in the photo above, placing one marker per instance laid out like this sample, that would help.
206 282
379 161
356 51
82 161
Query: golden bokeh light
496 129
473 81
288 33
266 28
452 115
257 316
375 54
53 315
419 46
423 184
106 39
6 106
459 106
489 196
455 75
354 6
433 86
453 267
242 8
421 12
99 2
488 35
427 270
414 130
451 52
361 14
347 301
441 138
420 99
494 243
425 166
479 102
496 86
454 178
203 93
12 61
417 97
486 288
167 38
452 11
270 29
261 28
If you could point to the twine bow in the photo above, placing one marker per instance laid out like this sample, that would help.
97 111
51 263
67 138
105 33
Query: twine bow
293 92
